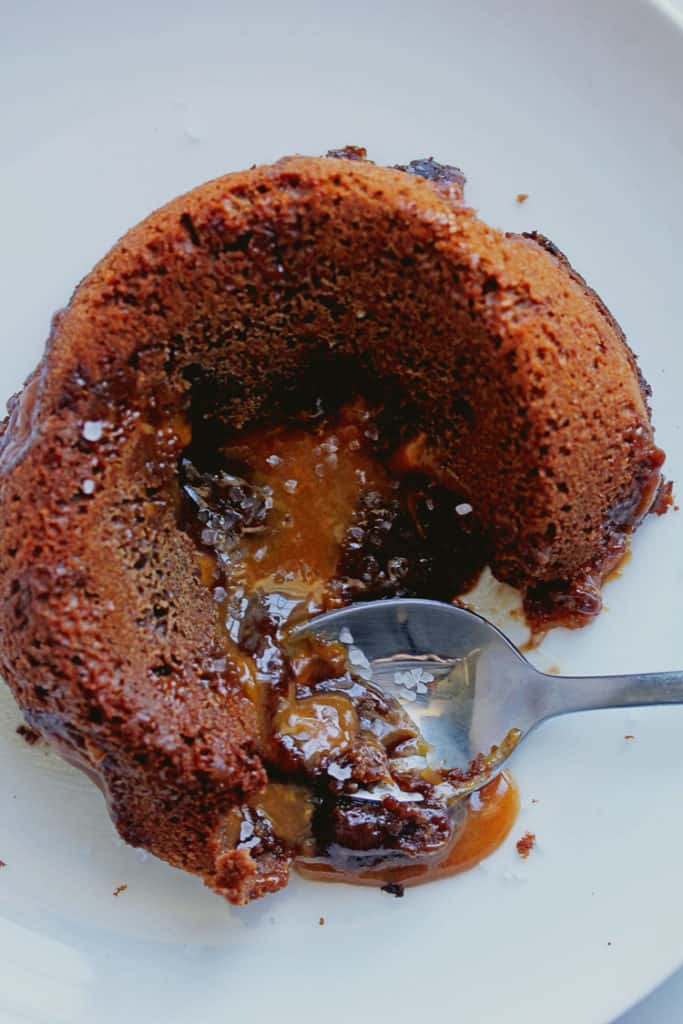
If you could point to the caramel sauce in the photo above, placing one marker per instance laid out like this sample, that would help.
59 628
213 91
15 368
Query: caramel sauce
297 520
489 816
323 726
289 808
315 478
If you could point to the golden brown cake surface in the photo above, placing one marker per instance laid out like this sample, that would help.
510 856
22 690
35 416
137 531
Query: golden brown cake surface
503 377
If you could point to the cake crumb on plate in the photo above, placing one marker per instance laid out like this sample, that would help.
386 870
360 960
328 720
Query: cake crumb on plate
28 734
394 889
526 844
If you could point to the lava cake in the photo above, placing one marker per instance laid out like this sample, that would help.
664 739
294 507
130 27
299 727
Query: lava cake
298 386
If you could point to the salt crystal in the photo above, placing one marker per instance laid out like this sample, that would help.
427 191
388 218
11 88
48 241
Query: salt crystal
464 509
360 662
319 469
246 831
290 486
356 657
88 486
92 430
345 636
421 688
273 460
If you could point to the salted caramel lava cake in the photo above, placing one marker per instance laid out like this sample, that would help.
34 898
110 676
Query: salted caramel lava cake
299 386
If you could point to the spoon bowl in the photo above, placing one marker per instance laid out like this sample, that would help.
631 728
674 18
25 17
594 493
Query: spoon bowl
469 690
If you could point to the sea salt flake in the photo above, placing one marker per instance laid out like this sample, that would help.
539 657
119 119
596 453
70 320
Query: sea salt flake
273 460
246 831
356 657
88 486
463 509
92 430
360 663
345 636
290 486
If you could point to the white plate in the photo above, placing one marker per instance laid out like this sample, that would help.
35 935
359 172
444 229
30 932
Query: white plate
109 110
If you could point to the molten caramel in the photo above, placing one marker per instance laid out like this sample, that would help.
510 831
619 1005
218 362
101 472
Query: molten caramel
297 520
489 816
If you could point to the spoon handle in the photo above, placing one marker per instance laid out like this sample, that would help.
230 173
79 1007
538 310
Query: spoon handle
562 694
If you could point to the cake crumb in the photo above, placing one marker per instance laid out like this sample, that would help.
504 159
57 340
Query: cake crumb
553 670
28 734
394 889
119 889
629 736
2 864
664 498
522 197
321 921
526 844
534 799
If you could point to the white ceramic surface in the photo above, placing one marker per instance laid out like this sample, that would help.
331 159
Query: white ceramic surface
106 111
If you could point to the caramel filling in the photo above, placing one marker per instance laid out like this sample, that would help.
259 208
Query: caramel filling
292 520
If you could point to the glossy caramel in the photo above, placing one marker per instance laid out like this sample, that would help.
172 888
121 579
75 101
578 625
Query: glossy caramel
299 518
489 816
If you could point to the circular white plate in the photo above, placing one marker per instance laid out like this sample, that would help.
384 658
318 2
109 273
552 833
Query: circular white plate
108 111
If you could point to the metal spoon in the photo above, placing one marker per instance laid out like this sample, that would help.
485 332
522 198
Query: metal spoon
466 686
